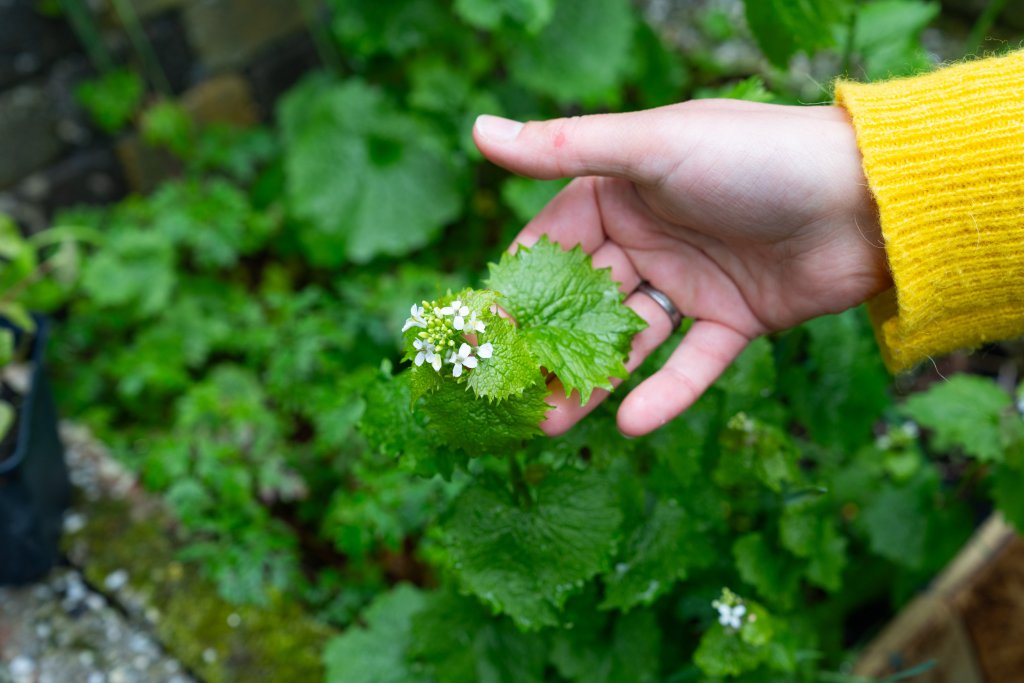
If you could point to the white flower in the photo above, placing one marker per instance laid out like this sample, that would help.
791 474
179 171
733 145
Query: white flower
731 616
459 311
415 319
485 350
473 324
427 353
464 357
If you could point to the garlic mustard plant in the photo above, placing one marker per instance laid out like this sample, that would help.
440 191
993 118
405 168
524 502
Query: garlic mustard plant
731 610
478 375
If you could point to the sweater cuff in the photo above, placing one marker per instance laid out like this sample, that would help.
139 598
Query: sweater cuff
944 157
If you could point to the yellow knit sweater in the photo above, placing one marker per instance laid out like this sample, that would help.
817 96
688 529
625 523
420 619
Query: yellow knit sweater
944 157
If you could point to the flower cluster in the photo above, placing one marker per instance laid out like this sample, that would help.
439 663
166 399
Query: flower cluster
731 610
441 339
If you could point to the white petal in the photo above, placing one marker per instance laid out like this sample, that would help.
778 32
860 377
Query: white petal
485 350
739 610
463 311
459 322
457 370
420 357
436 362
470 362
465 350
480 326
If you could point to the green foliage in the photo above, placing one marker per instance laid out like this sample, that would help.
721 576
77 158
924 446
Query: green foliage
235 336
965 412
887 37
376 653
783 27
569 313
167 124
581 54
112 99
525 554
369 179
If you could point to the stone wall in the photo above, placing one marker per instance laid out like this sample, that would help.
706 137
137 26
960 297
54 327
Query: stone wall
227 59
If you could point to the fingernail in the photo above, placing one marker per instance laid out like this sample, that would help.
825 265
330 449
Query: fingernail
497 128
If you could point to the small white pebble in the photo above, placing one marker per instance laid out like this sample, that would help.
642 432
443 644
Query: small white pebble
234 620
209 655
115 580
22 666
74 522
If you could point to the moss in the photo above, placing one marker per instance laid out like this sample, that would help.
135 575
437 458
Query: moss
278 642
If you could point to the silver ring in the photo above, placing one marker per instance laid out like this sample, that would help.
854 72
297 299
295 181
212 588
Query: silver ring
659 297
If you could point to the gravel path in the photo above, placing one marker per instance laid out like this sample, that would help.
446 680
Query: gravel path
62 630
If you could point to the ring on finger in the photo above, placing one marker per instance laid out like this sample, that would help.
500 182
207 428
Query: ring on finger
659 297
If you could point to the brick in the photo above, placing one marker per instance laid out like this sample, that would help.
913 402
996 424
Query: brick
28 139
227 33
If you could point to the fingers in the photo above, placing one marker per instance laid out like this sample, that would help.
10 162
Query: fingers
705 352
630 146
568 411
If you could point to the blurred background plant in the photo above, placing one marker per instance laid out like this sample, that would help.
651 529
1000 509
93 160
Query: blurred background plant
234 335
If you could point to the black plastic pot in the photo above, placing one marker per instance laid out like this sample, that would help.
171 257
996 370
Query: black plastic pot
34 485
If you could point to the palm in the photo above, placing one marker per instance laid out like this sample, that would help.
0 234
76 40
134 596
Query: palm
751 218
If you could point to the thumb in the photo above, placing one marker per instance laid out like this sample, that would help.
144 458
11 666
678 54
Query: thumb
630 146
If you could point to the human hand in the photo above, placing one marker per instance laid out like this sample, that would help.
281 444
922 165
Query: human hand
750 217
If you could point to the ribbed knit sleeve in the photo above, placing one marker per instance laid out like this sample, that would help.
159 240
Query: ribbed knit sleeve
944 158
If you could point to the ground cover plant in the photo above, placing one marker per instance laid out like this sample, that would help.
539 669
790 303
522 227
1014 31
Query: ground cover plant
295 343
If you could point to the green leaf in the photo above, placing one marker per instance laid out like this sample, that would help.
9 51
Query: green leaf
1007 484
591 652
111 99
582 54
752 449
7 416
525 559
761 643
807 530
461 643
6 346
510 369
376 653
896 521
367 178
658 553
168 124
132 268
839 391
887 36
488 14
762 566
963 412
784 27
458 419
571 314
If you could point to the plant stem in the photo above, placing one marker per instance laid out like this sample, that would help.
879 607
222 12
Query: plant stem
140 41
519 486
84 26
983 25
318 30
